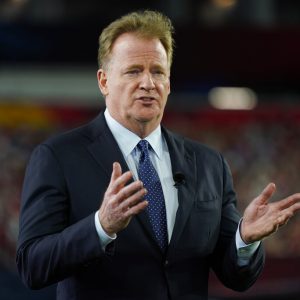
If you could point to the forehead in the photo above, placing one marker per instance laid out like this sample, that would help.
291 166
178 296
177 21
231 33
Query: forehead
128 48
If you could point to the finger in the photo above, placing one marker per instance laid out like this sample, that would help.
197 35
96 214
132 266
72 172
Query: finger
136 209
116 172
289 201
296 207
284 218
134 199
129 190
266 194
287 213
115 186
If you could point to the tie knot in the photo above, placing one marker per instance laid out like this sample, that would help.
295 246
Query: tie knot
143 146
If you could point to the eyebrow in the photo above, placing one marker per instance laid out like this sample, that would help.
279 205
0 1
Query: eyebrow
139 66
135 66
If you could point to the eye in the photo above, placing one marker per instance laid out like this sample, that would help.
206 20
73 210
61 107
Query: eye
133 71
159 72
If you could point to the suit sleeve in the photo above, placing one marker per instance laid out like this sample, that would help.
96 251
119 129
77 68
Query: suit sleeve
49 248
225 259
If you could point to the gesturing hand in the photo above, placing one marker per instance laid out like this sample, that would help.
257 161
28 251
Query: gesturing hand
262 218
121 201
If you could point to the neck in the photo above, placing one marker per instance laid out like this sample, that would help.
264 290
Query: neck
142 129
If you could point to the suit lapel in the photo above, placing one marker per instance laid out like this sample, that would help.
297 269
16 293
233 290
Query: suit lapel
106 151
182 161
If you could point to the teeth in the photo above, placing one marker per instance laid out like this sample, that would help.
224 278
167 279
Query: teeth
146 98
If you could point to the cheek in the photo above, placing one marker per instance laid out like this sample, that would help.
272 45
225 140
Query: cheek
117 92
125 87
165 89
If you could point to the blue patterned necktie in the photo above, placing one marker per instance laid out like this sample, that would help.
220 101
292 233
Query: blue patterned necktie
156 208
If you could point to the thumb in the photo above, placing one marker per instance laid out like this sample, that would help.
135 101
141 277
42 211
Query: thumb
266 194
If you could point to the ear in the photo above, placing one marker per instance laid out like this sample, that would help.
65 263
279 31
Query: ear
102 82
169 87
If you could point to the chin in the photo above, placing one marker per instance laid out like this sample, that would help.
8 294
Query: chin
146 113
149 116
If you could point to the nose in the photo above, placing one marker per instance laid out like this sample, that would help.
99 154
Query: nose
147 82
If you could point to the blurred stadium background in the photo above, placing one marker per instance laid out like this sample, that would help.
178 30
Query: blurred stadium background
235 86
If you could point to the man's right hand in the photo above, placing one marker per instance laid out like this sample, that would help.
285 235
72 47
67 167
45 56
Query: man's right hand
121 201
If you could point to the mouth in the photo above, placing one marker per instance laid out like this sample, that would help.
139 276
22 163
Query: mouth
146 99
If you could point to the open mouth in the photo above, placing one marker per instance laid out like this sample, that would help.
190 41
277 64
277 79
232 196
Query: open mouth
146 99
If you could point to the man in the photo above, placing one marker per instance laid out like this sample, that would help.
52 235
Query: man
124 209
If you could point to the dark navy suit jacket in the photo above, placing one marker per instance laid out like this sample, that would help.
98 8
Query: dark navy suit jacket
64 183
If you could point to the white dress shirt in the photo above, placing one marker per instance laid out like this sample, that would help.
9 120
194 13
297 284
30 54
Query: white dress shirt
160 157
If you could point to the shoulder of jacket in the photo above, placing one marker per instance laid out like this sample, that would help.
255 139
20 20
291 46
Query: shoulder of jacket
193 145
83 134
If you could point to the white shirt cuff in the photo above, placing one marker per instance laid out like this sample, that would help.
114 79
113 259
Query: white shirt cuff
105 239
244 251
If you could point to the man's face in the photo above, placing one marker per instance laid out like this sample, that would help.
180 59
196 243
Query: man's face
136 81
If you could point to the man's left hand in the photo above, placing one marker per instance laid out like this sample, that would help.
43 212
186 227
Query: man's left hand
262 218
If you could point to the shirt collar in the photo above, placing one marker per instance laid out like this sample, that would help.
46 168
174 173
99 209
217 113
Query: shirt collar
127 140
